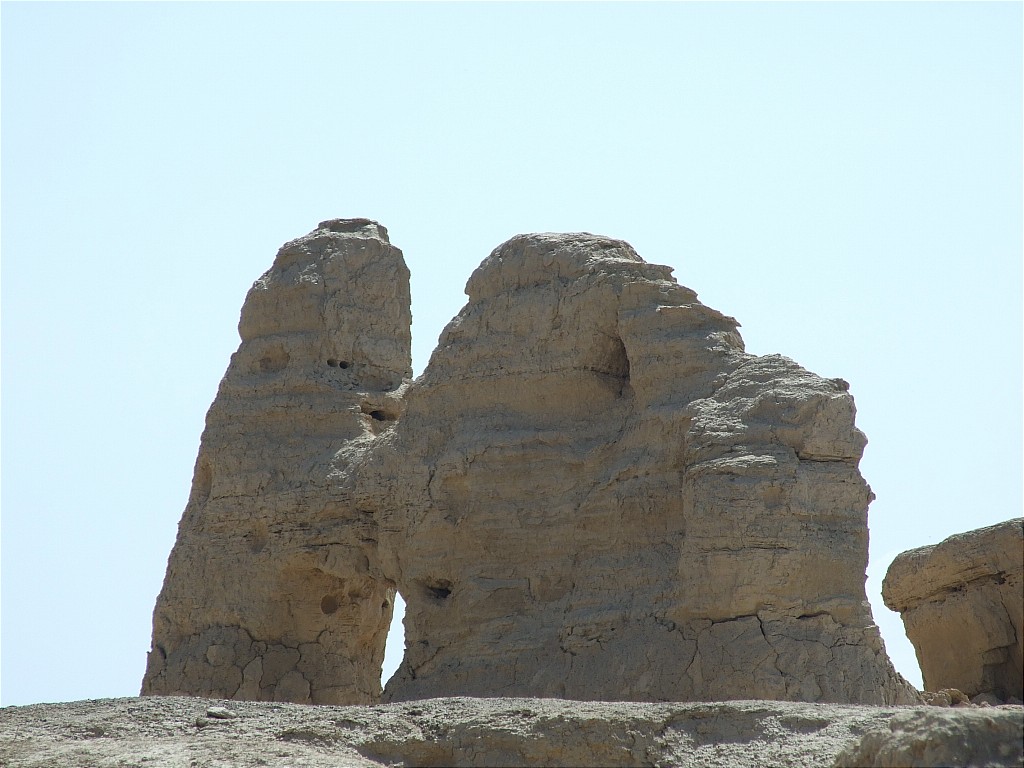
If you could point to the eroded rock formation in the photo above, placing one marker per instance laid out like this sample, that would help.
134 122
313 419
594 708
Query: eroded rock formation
272 591
595 494
962 603
165 732
592 492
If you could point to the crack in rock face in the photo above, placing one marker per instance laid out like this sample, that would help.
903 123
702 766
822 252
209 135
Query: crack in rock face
592 492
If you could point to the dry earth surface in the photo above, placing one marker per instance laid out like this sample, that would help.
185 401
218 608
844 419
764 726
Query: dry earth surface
179 732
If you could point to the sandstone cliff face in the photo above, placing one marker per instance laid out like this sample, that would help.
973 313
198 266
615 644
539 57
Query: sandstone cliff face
272 590
592 492
962 602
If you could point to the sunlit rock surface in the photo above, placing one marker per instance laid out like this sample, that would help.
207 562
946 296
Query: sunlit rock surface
273 590
962 602
592 492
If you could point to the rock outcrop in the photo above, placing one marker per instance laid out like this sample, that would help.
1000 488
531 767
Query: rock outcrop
273 590
962 603
163 732
592 492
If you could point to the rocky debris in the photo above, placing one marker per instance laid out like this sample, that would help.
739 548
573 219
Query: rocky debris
962 603
273 591
940 737
592 492
162 732
947 697
988 700
595 493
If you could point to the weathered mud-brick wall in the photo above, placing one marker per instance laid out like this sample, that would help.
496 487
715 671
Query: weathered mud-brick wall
594 493
273 590
962 603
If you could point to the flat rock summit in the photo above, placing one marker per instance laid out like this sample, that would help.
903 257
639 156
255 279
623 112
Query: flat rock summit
620 538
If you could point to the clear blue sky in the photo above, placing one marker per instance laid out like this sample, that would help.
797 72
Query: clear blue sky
845 179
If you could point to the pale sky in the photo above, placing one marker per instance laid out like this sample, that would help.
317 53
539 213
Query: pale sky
843 178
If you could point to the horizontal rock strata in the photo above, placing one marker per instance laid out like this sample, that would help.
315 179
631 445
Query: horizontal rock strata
592 492
272 591
162 732
962 603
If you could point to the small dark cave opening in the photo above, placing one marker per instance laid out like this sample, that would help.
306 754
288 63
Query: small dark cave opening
378 413
329 604
437 589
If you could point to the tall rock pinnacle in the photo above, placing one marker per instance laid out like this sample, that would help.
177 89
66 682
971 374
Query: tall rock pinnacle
273 591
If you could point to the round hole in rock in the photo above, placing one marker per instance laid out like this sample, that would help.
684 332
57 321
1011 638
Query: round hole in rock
329 604
378 415
342 364
332 362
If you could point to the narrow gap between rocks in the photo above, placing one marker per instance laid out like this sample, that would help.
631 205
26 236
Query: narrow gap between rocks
394 647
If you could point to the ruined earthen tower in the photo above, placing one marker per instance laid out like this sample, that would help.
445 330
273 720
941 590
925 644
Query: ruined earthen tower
592 492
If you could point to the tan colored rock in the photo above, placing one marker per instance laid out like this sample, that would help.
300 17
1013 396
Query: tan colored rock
935 737
163 732
273 590
947 697
962 603
594 493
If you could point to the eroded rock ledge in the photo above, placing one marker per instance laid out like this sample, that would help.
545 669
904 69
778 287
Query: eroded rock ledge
962 603
592 492
166 732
